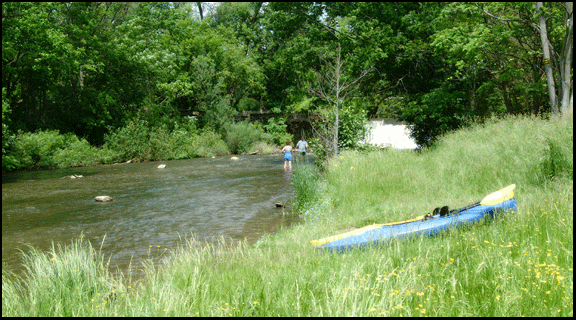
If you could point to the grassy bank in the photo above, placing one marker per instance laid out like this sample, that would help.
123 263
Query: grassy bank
516 265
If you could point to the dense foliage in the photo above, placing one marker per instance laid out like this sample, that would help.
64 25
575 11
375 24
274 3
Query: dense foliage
94 68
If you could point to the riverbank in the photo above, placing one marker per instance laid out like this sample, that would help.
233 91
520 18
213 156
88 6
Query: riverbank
516 265
139 141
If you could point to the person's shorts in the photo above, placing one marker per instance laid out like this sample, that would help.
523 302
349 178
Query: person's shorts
287 157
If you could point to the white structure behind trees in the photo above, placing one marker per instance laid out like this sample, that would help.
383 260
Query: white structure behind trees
390 133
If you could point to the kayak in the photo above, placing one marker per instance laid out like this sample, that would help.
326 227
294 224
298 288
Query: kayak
427 225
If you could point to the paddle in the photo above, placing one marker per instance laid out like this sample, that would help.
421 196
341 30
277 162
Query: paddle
499 196
491 199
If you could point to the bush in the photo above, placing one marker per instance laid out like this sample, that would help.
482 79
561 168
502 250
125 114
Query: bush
160 144
240 136
276 128
208 144
10 159
435 113
182 144
46 149
38 149
77 153
130 141
352 128
139 140
263 148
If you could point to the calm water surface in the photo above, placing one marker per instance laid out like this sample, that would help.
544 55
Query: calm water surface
209 198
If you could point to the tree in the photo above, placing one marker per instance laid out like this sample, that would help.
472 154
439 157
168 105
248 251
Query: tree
567 105
546 54
61 70
554 27
333 88
562 58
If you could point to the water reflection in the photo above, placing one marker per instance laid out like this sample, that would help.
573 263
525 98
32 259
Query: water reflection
210 198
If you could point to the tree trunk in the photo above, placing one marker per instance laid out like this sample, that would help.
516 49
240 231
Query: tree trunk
199 4
547 60
333 89
566 63
81 77
337 120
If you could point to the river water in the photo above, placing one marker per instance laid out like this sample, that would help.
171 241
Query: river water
209 198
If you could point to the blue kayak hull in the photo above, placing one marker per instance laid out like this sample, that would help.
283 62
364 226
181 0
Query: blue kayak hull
430 227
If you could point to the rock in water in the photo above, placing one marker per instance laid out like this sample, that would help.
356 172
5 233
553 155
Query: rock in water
103 199
162 166
234 158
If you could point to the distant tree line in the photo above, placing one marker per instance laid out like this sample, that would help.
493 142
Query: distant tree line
92 68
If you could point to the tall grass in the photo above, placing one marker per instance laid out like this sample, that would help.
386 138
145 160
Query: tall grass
515 265
58 281
464 167
306 184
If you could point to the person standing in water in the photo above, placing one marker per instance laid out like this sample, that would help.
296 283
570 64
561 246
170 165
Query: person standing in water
302 146
287 155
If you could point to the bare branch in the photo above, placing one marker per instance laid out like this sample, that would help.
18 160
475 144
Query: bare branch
507 20
334 91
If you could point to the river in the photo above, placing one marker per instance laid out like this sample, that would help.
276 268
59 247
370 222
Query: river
209 198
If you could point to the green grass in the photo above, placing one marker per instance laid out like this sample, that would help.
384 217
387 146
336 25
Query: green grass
515 265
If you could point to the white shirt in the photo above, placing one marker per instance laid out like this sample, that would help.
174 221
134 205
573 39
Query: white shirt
302 145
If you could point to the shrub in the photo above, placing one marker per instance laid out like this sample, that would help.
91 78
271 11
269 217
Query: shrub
240 136
160 145
208 144
10 159
263 148
140 141
130 141
352 128
37 149
435 113
276 128
182 144
77 153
